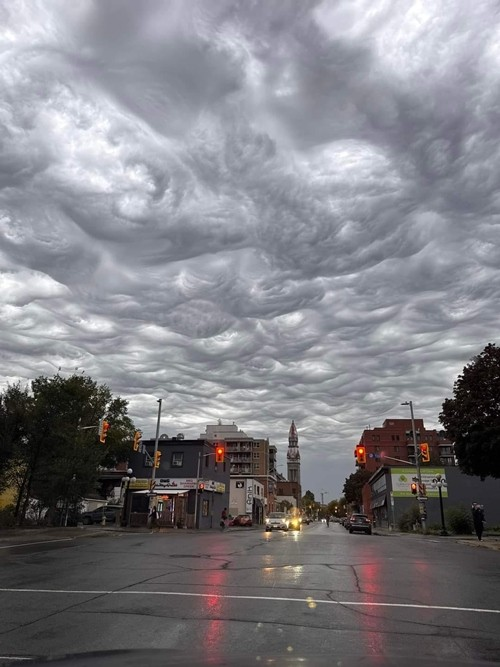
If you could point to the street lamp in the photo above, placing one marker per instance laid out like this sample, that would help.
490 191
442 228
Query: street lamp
126 479
417 462
440 481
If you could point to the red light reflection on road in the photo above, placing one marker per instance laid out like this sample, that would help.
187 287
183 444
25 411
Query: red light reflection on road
214 605
371 623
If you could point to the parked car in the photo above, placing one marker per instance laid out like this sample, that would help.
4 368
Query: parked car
360 523
241 520
277 521
95 516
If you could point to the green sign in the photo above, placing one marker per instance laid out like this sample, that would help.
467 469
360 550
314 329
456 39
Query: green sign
402 478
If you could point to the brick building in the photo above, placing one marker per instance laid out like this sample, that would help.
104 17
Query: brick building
393 440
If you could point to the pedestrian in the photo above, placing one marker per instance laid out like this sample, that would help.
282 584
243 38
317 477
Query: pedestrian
153 518
478 519
223 518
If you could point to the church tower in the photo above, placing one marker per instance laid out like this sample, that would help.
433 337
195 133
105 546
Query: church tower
293 455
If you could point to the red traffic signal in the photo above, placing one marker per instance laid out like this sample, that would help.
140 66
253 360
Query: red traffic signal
219 454
424 451
137 440
103 430
201 487
360 454
413 488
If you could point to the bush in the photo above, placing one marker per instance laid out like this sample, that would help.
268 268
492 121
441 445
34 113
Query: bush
459 520
407 520
7 519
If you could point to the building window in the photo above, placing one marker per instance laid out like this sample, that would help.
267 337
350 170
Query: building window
396 449
397 438
256 455
256 466
280 491
177 459
204 508
377 448
206 461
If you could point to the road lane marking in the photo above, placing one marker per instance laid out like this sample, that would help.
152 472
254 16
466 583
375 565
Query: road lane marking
14 657
308 600
30 544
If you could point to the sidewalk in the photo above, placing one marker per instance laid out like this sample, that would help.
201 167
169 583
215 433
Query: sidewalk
488 542
39 533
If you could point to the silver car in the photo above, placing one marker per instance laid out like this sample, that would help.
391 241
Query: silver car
277 521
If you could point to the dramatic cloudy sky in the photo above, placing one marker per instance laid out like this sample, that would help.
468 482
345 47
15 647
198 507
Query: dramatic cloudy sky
258 210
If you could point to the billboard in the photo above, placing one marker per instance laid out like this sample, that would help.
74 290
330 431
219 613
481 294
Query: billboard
402 478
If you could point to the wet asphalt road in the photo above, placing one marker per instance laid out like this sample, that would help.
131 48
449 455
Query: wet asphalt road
247 592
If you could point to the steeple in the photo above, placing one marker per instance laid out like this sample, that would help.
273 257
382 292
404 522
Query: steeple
293 455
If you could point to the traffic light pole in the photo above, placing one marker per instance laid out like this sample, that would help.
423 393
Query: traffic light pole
417 464
153 469
196 491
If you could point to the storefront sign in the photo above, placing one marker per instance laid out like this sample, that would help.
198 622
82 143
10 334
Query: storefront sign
249 497
180 484
141 483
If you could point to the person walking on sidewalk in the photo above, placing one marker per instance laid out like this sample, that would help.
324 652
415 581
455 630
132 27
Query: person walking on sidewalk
478 519
223 518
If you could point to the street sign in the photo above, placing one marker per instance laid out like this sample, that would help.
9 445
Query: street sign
422 499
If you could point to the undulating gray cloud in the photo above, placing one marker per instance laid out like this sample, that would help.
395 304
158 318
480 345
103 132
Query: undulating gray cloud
257 210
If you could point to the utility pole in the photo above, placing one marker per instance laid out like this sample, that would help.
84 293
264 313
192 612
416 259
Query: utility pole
417 463
153 470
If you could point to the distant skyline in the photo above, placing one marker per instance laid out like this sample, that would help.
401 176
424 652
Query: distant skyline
258 211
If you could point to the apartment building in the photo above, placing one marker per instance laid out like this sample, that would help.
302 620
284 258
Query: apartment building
252 458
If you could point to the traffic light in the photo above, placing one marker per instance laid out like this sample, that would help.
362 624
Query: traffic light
360 454
413 488
424 450
137 440
201 487
157 458
219 454
103 430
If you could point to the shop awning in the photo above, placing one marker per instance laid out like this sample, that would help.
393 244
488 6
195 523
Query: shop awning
380 502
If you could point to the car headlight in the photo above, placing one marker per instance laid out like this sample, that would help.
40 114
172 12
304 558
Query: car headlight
267 520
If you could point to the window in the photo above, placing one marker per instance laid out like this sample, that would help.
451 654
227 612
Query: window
177 459
204 508
256 455
206 461
377 448
396 449
256 466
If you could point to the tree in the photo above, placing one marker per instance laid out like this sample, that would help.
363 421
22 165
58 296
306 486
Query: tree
308 499
472 417
56 453
354 484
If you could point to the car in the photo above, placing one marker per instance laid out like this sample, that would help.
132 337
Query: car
241 520
277 521
360 523
95 516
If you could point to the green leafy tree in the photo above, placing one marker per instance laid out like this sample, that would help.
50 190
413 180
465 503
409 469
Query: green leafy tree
57 456
472 417
354 484
308 502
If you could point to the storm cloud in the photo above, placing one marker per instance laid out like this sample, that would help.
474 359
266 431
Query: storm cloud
256 210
